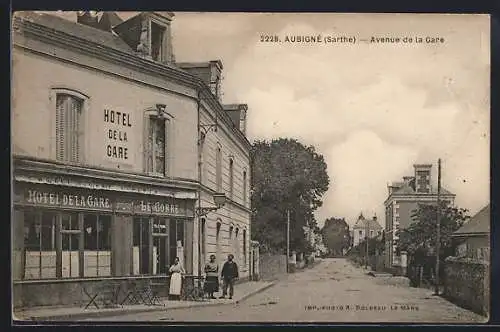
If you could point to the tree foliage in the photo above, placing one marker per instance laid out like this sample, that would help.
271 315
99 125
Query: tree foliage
336 235
420 237
286 175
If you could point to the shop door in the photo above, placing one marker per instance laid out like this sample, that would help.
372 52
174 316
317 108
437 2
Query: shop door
141 253
160 252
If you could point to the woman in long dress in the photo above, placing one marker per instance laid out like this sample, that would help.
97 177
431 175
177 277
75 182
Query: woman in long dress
176 273
212 281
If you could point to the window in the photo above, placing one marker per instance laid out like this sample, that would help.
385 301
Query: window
40 245
217 241
218 171
203 241
371 233
245 247
69 128
160 245
236 244
157 35
155 147
231 178
231 243
141 245
97 245
360 233
70 233
176 241
245 188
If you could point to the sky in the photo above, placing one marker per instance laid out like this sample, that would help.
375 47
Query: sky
372 110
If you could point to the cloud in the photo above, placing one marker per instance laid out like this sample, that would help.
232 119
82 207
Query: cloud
372 112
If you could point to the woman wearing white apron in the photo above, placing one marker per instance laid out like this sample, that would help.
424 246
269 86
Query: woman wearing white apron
176 274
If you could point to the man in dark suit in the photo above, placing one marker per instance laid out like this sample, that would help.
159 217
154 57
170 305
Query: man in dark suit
229 276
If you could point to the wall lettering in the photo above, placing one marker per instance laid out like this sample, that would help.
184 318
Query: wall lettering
67 200
117 125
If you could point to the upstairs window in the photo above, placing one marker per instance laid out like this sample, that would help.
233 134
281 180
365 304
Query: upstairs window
218 171
231 178
245 188
155 145
69 128
157 36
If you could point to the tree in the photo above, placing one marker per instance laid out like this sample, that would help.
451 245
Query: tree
420 237
286 175
336 235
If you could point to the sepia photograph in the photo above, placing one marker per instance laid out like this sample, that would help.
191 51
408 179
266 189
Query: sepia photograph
208 167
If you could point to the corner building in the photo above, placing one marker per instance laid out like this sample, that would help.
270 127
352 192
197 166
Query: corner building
403 199
116 147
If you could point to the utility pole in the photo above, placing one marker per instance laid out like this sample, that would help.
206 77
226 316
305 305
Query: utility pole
287 239
438 228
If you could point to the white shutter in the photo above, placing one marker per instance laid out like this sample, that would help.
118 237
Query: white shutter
60 126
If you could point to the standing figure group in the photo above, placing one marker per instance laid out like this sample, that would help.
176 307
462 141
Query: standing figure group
229 275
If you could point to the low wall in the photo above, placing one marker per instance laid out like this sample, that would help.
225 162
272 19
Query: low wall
272 266
71 292
467 283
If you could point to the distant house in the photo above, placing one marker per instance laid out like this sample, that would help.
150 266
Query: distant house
472 239
365 228
403 198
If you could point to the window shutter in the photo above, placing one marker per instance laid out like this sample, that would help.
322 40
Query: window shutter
75 112
60 125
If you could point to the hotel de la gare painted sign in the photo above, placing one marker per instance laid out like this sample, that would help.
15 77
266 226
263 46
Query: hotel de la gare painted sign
118 135
97 200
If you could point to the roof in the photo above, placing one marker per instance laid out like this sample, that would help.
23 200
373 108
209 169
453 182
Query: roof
371 224
79 30
478 224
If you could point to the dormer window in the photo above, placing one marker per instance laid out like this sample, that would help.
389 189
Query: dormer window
157 36
149 34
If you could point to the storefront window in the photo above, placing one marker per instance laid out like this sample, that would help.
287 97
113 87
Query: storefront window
141 245
70 233
97 245
39 244
160 245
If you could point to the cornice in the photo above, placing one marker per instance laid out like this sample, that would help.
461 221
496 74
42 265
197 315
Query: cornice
177 75
30 164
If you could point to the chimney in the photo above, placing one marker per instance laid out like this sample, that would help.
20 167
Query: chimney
423 178
238 114
88 18
209 72
216 78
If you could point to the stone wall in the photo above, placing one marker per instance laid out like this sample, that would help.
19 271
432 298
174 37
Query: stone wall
467 283
272 266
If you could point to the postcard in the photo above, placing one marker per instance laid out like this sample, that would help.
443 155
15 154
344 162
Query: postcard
183 167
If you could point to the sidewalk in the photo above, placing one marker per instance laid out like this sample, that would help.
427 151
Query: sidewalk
242 292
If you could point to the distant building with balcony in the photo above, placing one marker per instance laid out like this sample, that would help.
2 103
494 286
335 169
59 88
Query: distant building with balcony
403 198
364 228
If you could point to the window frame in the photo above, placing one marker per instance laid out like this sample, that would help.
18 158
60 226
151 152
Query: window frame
245 188
149 114
84 138
231 177
218 167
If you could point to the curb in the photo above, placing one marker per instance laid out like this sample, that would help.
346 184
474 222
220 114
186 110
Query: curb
113 313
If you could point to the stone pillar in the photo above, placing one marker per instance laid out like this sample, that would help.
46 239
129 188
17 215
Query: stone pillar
404 262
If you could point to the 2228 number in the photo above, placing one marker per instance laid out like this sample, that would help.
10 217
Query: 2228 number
269 39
